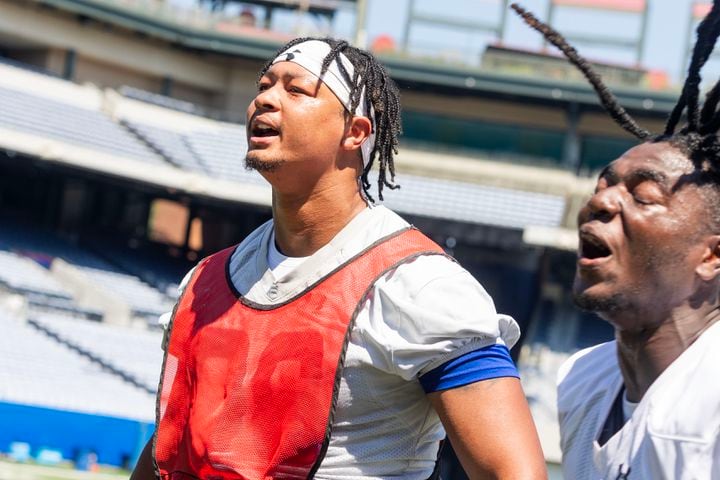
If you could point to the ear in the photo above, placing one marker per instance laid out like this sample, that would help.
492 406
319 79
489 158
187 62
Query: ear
709 268
358 130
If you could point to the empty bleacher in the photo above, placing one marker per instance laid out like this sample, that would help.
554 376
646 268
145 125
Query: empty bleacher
83 127
172 146
477 204
23 275
220 153
37 370
217 152
133 352
145 300
223 151
152 267
217 149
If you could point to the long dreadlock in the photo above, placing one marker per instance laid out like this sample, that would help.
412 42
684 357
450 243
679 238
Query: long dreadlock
381 95
608 100
698 138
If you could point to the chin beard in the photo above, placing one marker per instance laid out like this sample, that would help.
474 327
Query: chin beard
608 304
254 163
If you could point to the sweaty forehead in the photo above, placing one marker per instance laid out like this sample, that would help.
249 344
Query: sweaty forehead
654 159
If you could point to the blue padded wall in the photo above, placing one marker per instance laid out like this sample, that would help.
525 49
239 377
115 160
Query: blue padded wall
114 440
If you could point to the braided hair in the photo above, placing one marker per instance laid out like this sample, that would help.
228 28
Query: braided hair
698 138
381 95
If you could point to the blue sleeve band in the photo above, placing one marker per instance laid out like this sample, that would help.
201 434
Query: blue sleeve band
490 362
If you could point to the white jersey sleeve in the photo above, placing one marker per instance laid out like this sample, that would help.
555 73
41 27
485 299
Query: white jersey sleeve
427 312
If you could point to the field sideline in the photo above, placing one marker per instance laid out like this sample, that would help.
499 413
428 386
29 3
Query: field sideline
24 471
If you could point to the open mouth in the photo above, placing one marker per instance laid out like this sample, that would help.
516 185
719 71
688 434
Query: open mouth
593 248
263 130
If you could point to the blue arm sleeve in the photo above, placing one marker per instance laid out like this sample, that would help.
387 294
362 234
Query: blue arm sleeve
490 362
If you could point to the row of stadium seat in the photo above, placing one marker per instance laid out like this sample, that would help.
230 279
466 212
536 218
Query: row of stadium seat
27 276
216 149
37 370
69 123
133 352
52 355
219 153
21 274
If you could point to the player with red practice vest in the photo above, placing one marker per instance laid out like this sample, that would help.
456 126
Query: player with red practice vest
335 341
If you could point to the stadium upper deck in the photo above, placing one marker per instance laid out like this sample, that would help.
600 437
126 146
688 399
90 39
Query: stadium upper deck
448 107
102 131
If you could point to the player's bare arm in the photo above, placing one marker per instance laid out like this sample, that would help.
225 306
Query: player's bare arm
144 469
491 430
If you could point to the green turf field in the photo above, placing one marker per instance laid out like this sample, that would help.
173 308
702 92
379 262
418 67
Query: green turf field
21 471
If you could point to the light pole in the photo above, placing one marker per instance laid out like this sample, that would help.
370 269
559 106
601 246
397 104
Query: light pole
360 39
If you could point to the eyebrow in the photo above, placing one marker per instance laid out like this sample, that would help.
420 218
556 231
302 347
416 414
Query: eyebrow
286 76
640 174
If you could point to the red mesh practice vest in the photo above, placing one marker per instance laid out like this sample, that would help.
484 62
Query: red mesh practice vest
248 391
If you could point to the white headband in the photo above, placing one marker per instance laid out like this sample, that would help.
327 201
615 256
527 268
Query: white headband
310 55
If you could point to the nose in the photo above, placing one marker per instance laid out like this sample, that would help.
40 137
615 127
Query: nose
266 99
603 205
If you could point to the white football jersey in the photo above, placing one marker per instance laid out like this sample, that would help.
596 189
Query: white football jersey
673 433
417 317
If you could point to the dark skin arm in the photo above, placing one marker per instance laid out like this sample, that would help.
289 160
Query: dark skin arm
491 430
145 469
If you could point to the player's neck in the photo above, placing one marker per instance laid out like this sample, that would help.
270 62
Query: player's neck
304 223
644 355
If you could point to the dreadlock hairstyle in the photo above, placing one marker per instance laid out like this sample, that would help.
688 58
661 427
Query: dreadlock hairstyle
381 95
608 100
698 138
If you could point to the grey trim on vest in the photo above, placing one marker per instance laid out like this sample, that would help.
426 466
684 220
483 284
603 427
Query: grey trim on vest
259 306
346 340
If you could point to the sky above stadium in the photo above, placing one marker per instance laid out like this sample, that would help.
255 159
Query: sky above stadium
665 46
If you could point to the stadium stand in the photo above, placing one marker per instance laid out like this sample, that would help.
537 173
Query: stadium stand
215 149
172 146
145 300
162 273
223 150
219 152
37 370
45 382
61 121
22 275
459 200
135 354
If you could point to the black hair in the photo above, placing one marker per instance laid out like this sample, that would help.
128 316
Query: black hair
381 95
